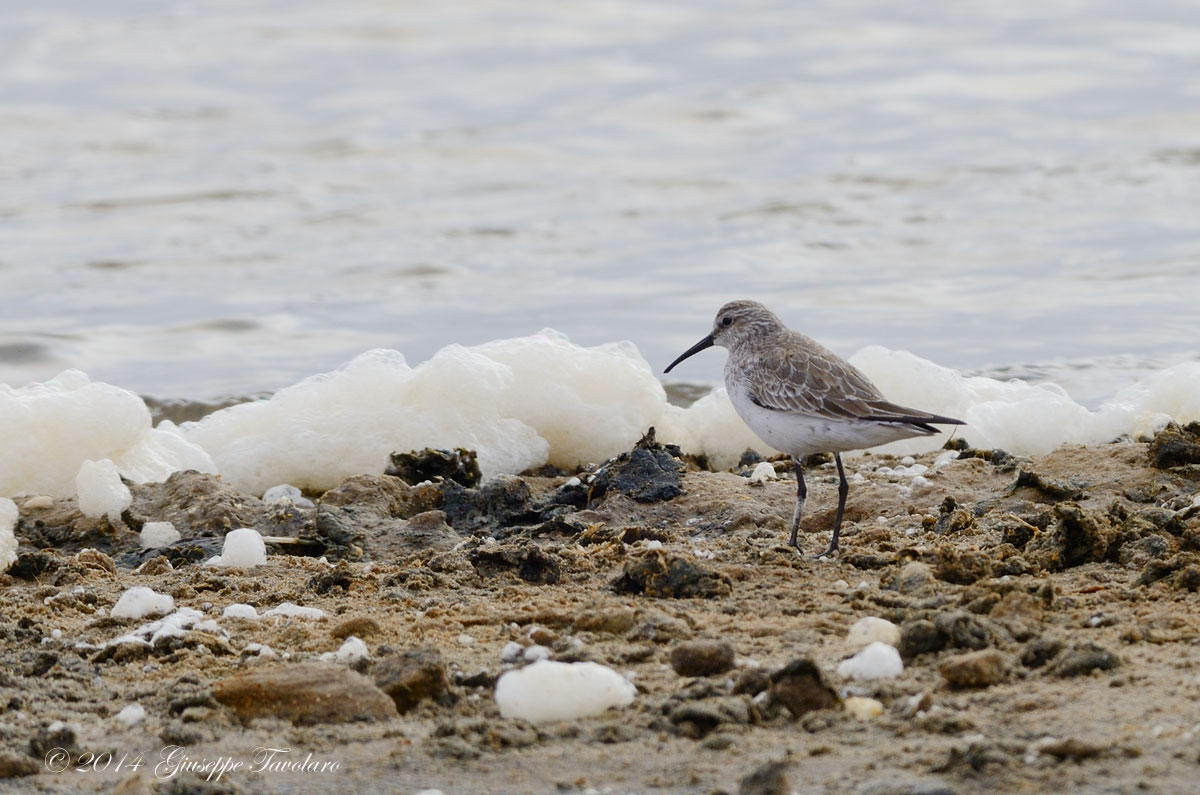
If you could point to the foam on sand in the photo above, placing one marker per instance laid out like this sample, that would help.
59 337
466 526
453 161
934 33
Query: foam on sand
48 430
519 403
553 691
9 514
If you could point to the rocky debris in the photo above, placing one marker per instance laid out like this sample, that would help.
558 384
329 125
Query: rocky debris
665 575
412 676
1078 536
1048 487
1179 571
458 465
501 502
965 630
801 686
1082 658
529 561
1040 651
467 738
15 765
975 669
702 658
698 718
382 497
767 779
200 504
358 626
616 620
961 566
1176 447
648 473
425 531
919 636
304 693
1066 748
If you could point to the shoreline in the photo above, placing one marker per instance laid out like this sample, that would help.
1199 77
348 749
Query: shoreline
1044 606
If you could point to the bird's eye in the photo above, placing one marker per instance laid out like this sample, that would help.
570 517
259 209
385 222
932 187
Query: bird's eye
726 321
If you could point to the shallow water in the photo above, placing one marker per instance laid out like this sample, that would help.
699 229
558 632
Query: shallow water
207 199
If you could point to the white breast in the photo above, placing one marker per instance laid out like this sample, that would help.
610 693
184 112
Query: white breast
801 434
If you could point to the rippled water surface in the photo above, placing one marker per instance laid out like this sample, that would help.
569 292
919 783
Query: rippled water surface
212 198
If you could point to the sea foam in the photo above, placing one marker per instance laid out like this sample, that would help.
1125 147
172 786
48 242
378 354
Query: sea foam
519 403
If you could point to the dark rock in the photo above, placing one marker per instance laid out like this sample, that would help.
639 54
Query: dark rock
1015 530
968 631
304 693
34 565
976 669
1175 447
1138 553
663 575
751 682
1054 489
1083 658
339 578
334 529
801 686
415 467
962 567
531 562
501 502
1079 536
199 504
648 473
702 658
411 677
696 719
1179 571
919 637
768 779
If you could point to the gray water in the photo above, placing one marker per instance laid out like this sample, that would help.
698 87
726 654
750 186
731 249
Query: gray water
210 198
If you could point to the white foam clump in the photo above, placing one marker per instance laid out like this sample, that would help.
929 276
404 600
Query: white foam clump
179 623
1024 418
287 491
158 534
352 650
870 630
876 661
100 490
239 610
9 514
139 602
131 715
763 472
48 430
244 548
552 691
290 610
519 403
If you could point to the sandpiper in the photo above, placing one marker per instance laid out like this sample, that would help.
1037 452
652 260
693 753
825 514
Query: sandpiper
802 398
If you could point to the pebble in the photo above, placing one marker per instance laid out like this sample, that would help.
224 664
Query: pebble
702 658
801 686
304 693
976 669
412 676
863 708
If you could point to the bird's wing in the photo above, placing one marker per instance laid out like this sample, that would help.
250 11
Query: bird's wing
809 379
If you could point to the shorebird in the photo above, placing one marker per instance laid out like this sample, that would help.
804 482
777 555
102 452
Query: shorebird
802 398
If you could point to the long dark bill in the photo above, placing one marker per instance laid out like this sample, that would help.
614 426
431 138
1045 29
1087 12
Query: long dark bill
707 342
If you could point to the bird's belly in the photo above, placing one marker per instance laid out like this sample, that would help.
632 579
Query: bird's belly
801 435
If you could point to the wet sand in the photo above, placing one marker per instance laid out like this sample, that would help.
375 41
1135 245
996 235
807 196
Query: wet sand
1047 611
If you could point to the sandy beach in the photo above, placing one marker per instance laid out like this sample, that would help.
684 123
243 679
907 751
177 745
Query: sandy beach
1044 606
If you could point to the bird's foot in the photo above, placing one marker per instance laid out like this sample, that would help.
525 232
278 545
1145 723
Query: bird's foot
832 548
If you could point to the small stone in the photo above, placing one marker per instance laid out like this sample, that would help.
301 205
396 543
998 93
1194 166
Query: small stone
919 637
1040 651
871 629
304 693
863 708
751 682
702 658
411 676
659 574
914 577
801 686
614 620
1083 658
976 669
360 626
415 467
768 779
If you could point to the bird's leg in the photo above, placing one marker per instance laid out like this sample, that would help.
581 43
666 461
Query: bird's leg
843 490
801 494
